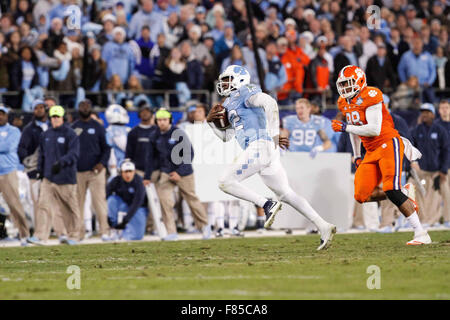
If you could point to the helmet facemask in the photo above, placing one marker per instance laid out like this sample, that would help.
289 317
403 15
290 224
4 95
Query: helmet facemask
225 85
347 87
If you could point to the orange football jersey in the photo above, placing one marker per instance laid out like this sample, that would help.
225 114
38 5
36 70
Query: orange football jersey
355 114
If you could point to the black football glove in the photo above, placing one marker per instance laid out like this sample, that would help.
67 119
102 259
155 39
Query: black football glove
56 167
121 225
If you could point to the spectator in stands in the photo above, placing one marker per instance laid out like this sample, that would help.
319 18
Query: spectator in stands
9 186
28 152
175 171
199 50
127 202
250 60
55 36
276 76
57 165
119 57
62 79
24 73
444 121
430 43
45 63
438 9
174 75
236 57
442 71
91 167
146 67
379 71
320 71
95 79
106 35
146 16
194 70
211 70
419 63
138 140
395 48
407 95
295 62
173 30
433 142
223 46
345 57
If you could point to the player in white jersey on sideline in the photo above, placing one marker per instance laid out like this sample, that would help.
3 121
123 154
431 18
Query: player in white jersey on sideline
254 119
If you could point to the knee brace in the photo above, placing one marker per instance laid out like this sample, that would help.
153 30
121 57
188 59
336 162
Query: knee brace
397 197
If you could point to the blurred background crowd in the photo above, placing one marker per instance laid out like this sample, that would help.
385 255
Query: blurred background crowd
144 55
168 51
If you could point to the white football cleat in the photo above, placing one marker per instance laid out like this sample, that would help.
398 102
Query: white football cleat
270 209
326 236
421 238
410 191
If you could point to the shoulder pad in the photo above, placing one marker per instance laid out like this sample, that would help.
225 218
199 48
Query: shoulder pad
249 90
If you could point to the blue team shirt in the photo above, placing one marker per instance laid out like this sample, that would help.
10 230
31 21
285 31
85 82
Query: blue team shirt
303 136
249 122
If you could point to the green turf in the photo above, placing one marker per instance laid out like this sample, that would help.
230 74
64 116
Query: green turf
257 268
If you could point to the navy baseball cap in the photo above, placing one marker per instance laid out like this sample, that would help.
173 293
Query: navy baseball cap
428 107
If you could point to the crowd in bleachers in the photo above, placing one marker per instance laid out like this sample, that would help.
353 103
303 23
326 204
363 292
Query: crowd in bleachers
183 45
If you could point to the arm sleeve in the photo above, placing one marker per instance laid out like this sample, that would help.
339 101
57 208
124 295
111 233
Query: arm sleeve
110 187
130 145
401 69
224 135
22 150
40 167
356 145
138 200
374 117
73 151
11 143
106 149
270 106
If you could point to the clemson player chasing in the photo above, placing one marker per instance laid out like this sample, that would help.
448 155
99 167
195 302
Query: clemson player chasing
368 121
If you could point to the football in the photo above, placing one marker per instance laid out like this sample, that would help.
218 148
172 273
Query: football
222 123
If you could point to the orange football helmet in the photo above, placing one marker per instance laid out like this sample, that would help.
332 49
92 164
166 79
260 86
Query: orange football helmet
351 81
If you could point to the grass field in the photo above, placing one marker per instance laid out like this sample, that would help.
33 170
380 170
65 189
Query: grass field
257 268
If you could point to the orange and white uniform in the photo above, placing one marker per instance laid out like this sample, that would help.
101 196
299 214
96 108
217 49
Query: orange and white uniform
369 122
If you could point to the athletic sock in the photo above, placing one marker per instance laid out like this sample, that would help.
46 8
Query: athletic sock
260 220
415 223
3 233
303 206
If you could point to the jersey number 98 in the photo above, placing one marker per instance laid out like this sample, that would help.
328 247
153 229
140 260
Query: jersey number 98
354 118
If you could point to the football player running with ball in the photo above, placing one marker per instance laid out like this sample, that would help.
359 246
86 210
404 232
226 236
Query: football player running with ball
368 121
254 120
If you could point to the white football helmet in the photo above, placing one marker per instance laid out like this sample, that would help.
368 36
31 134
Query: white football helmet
237 76
116 114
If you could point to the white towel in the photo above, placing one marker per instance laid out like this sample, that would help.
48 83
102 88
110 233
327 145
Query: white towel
411 153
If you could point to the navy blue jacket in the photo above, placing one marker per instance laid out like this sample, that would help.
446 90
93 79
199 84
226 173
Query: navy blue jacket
93 146
176 140
138 142
133 193
62 145
434 144
28 149
446 126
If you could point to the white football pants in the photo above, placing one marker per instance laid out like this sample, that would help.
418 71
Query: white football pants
263 158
